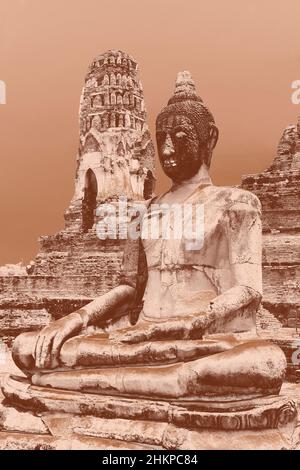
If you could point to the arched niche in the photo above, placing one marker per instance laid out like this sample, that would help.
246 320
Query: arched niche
148 185
120 149
89 201
91 144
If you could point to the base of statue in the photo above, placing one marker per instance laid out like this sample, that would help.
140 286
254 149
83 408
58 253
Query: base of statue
83 420
34 417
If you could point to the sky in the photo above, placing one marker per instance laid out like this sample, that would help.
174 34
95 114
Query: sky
243 57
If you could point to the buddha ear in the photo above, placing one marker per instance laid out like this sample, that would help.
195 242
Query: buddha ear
211 142
213 137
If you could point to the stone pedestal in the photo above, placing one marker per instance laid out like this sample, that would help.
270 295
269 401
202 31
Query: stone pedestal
91 421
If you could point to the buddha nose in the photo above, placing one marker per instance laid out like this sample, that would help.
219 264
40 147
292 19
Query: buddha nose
168 148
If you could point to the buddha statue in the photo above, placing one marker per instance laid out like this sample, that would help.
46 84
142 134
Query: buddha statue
195 336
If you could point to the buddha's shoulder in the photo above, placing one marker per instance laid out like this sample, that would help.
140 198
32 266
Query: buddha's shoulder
231 197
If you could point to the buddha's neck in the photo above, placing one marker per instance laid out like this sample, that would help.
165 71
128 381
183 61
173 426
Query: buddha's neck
201 177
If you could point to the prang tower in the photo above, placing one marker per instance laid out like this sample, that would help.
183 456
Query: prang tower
115 150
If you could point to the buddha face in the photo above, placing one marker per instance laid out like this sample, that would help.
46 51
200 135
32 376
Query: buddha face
179 149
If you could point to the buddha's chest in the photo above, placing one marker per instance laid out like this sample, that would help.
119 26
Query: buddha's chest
181 234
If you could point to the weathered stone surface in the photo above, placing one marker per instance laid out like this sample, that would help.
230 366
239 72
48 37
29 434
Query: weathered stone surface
289 341
164 435
73 431
266 321
68 431
259 413
270 439
21 441
16 318
20 421
278 189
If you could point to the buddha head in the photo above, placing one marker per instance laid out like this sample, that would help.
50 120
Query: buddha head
186 133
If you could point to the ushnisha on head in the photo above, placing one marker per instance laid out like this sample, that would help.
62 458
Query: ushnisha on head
186 133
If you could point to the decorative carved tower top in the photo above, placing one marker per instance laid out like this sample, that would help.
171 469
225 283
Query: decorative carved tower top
278 186
288 150
112 96
116 154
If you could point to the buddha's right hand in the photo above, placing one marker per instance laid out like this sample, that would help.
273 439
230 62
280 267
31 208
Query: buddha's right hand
52 337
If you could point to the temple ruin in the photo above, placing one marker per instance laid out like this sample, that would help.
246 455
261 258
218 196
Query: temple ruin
278 189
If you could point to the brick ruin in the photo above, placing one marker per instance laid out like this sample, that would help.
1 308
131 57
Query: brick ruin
115 158
278 189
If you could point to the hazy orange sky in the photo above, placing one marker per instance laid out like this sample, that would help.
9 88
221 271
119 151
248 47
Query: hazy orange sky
243 56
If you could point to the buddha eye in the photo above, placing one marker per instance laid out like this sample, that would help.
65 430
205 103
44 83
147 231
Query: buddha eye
180 134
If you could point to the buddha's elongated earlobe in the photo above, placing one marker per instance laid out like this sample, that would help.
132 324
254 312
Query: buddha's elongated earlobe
213 136
211 143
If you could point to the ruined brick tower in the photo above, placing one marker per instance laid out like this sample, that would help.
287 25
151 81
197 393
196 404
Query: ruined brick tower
115 158
116 155
278 189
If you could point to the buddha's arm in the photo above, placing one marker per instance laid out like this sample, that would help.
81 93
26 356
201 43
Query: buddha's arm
246 280
192 326
225 305
51 338
108 306
111 305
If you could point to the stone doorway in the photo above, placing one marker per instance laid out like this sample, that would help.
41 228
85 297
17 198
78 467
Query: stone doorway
149 185
89 201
